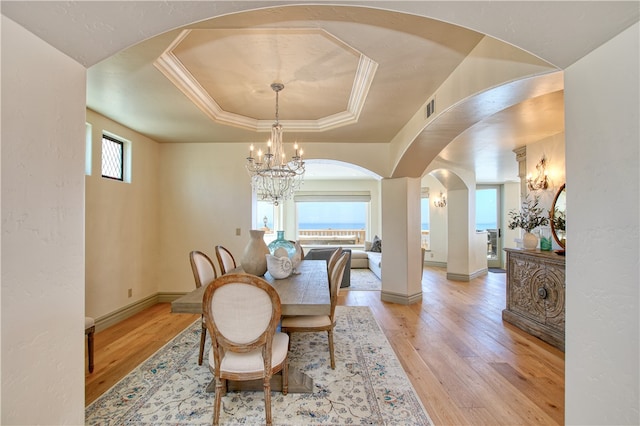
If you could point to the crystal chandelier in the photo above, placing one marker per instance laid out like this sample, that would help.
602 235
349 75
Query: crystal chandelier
272 176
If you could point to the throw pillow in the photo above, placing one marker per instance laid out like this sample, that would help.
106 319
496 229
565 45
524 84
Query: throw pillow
367 246
376 245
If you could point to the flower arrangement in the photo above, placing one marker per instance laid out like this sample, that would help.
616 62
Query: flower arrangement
529 217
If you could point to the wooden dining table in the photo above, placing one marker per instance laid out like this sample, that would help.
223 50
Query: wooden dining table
303 293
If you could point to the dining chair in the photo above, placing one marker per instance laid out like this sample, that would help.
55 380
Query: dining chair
313 323
89 330
225 260
242 313
333 259
204 272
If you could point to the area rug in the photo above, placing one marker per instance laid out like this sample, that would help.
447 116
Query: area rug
363 279
368 385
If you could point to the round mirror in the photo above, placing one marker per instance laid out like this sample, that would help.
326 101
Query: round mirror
558 217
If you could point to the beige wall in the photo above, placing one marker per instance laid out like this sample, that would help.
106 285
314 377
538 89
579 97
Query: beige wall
603 179
205 196
43 96
437 222
122 224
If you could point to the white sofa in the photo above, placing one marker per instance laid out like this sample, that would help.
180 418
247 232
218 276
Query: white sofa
361 259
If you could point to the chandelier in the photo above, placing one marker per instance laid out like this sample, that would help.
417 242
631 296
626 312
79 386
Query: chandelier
272 176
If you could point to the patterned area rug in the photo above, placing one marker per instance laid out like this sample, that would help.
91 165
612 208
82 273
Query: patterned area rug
368 385
363 279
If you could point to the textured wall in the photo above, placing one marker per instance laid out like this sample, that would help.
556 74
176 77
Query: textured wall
602 328
42 232
122 224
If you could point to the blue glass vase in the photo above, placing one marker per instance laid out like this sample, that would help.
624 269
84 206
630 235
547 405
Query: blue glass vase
281 242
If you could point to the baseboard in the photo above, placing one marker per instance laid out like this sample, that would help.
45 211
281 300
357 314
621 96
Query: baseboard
168 297
400 299
435 264
464 277
125 312
132 309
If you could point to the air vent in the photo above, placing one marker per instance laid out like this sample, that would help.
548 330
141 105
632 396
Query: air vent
431 107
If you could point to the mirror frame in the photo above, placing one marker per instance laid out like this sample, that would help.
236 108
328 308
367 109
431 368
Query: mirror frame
552 215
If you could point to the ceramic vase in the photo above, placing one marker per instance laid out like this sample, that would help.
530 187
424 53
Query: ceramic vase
253 259
529 241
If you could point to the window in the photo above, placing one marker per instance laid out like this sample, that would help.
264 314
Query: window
112 158
425 241
332 219
267 218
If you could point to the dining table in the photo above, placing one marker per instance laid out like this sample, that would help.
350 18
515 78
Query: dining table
305 292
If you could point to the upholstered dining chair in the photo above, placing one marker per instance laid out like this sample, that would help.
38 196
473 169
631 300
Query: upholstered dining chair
225 260
311 323
242 313
89 330
203 272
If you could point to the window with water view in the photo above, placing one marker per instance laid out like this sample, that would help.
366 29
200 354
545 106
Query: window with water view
332 222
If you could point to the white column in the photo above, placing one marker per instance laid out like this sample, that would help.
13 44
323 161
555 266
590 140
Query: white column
401 251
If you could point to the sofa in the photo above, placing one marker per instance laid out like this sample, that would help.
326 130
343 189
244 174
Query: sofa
363 259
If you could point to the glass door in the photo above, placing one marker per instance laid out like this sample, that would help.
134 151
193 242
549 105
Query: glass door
488 219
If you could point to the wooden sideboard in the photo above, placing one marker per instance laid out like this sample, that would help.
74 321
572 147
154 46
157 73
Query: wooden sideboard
536 294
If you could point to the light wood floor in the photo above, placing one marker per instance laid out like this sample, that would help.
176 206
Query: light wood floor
466 364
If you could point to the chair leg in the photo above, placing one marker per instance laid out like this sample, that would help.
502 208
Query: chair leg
333 361
267 399
203 337
90 347
285 377
216 404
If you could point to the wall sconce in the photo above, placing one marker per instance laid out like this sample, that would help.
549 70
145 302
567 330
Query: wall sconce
440 202
541 180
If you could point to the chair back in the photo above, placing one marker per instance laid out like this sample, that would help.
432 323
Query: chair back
225 260
331 263
335 278
203 269
241 312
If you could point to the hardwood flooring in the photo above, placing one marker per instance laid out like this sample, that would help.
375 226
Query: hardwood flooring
466 364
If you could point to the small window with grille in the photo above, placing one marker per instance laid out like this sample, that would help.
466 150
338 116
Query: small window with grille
112 158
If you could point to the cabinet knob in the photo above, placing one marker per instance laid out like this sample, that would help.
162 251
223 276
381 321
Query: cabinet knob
542 292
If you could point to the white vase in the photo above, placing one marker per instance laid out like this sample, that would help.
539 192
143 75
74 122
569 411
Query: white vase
529 241
253 260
